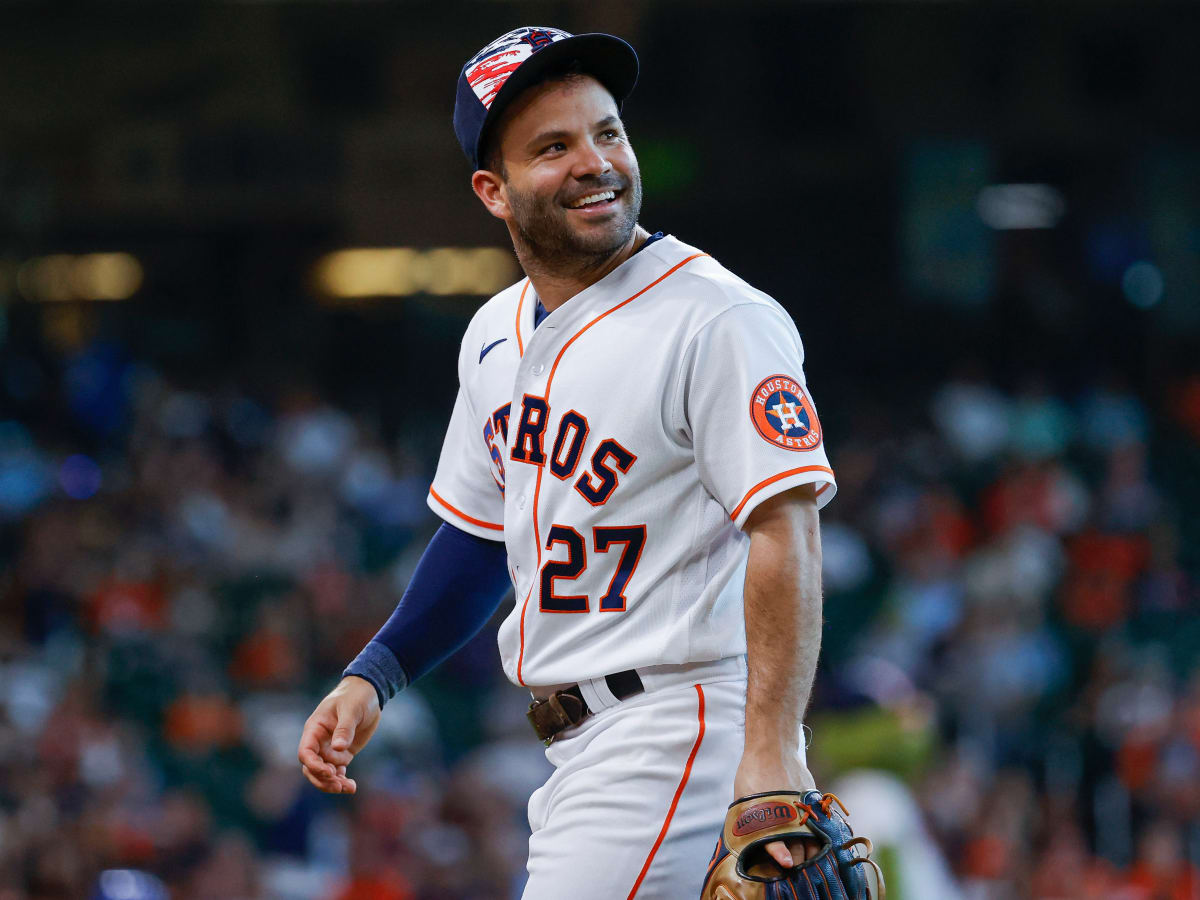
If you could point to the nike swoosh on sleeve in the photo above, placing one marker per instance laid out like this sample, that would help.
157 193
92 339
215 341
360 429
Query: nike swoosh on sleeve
488 349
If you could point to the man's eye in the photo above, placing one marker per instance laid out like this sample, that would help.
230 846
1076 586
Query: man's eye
556 147
610 133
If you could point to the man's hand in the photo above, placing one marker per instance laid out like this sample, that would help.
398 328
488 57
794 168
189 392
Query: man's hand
770 773
339 727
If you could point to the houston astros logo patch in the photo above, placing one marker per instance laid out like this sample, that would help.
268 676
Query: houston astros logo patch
784 415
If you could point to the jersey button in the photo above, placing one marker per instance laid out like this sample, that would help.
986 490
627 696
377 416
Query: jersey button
521 502
538 369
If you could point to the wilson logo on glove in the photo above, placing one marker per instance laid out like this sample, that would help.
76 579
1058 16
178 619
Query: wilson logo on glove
764 815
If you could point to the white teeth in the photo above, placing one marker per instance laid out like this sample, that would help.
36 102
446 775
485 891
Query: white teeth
594 198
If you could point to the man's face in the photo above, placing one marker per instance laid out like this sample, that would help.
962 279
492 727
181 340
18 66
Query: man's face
562 143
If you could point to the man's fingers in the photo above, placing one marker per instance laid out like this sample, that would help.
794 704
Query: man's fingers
779 852
348 720
310 752
343 736
794 852
322 782
316 731
335 784
806 849
311 759
327 744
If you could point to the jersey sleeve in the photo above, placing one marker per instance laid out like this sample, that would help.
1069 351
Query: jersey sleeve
753 423
466 491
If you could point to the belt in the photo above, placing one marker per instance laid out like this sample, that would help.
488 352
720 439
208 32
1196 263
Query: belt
567 707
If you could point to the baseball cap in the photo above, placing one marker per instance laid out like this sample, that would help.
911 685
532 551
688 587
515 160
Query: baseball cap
495 75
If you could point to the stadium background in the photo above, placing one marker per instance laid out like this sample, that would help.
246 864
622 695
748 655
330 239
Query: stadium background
216 437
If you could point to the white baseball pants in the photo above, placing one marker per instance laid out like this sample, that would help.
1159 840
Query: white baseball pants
640 789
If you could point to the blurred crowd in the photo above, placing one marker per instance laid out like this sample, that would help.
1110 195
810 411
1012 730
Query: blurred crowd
1011 595
1020 573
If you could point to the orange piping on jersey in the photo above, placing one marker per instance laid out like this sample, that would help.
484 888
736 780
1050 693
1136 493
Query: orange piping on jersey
762 484
549 381
524 606
537 486
462 515
687 771
520 305
671 271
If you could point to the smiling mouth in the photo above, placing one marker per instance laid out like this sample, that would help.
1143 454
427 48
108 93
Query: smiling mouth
596 200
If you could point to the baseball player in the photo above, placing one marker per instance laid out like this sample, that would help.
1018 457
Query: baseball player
634 449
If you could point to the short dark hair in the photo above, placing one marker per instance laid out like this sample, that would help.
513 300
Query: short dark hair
490 156
489 145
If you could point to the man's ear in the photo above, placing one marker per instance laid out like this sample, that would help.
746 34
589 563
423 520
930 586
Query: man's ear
490 190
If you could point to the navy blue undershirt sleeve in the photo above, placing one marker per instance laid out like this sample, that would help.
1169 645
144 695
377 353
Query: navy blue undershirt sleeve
456 587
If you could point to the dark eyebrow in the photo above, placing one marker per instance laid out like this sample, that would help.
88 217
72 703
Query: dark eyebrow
547 137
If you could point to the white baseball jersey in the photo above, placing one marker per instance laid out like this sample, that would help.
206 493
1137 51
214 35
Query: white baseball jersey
618 449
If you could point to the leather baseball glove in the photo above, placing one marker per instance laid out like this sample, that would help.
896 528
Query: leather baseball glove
741 869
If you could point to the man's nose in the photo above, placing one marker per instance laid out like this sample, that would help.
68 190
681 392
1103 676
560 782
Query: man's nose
590 161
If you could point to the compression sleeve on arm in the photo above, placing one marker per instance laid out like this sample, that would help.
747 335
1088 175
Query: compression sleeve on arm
456 587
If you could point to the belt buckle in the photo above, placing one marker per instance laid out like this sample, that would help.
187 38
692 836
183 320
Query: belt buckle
547 723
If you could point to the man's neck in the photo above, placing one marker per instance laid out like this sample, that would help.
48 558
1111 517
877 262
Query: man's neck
555 286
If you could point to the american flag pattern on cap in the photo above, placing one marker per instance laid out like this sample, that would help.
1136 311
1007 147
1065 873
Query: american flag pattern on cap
512 62
487 71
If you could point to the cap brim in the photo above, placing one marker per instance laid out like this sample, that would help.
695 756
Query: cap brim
607 58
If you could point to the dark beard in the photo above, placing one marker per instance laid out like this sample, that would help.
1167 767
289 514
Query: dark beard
542 227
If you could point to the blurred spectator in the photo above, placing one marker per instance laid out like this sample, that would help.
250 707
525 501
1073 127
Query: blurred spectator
1162 871
1008 600
973 416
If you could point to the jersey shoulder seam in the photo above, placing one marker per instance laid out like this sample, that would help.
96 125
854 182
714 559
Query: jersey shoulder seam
729 287
772 307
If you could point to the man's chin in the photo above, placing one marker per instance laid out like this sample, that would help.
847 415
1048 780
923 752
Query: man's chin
600 235
588 242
